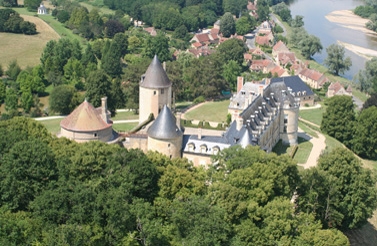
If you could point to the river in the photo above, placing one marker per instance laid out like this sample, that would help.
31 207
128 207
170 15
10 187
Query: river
315 12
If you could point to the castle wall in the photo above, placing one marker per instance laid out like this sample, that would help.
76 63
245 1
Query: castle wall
198 160
152 101
136 142
104 135
171 147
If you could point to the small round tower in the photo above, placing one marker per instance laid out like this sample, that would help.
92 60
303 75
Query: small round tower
155 90
164 135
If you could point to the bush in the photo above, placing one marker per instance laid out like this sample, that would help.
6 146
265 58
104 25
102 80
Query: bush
199 99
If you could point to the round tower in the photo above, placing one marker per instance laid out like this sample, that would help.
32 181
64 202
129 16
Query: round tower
164 135
155 90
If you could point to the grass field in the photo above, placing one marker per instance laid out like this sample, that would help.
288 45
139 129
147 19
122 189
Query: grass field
95 4
307 129
210 111
303 151
124 127
128 115
52 126
312 115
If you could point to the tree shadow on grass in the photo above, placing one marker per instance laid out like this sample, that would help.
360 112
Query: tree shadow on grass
363 236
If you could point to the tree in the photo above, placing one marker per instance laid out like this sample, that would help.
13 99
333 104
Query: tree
243 25
339 119
364 142
111 62
309 46
283 11
98 85
63 99
26 169
32 5
234 6
367 79
227 25
340 192
158 45
231 70
335 60
263 10
13 70
2 91
11 99
113 27
371 101
232 49
78 16
298 21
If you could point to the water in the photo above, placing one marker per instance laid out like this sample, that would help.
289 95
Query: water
314 13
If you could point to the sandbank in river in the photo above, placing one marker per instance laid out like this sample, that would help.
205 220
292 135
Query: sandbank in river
348 19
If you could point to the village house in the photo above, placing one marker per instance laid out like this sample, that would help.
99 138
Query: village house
313 78
337 89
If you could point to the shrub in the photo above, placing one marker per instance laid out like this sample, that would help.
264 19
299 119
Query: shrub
199 99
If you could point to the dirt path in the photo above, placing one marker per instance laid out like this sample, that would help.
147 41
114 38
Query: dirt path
319 145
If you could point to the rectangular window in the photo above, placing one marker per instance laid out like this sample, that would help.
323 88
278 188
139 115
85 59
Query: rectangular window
285 119
154 92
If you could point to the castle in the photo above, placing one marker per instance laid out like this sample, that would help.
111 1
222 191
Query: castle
262 114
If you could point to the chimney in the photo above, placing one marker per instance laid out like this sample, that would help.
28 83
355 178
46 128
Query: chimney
260 90
239 83
239 123
199 133
104 109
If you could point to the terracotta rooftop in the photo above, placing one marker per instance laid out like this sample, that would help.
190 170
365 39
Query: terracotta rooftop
203 37
84 118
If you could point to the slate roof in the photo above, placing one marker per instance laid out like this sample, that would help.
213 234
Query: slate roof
164 127
295 83
84 118
155 77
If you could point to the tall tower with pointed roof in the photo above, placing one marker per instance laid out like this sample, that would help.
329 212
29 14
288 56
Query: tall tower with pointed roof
164 135
155 90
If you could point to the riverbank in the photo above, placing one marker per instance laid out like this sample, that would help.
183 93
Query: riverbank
348 19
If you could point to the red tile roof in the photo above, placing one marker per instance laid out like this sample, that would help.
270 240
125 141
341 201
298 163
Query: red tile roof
202 37
85 118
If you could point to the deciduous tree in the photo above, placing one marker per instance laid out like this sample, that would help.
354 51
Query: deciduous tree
335 60
227 25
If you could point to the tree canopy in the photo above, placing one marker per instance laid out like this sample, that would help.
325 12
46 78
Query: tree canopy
335 60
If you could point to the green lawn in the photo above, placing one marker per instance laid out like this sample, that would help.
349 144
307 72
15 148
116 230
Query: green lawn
60 29
303 151
128 115
179 106
97 4
52 126
124 127
313 115
307 129
332 143
210 111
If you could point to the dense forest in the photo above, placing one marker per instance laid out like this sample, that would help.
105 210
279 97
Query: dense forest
57 192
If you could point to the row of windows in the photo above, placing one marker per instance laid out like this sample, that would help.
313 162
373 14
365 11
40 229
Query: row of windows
162 92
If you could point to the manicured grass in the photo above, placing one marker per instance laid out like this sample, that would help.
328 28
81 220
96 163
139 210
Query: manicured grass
312 115
210 111
124 127
179 106
128 115
303 151
307 129
332 143
52 126
97 4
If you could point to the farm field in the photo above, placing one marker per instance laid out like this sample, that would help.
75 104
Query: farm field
26 49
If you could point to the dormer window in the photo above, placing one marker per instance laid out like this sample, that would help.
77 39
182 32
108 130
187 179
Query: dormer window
203 148
216 150
191 147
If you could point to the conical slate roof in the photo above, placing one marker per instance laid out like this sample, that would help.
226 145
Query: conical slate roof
164 127
84 118
155 77
245 139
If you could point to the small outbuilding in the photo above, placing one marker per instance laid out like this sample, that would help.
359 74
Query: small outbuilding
42 10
